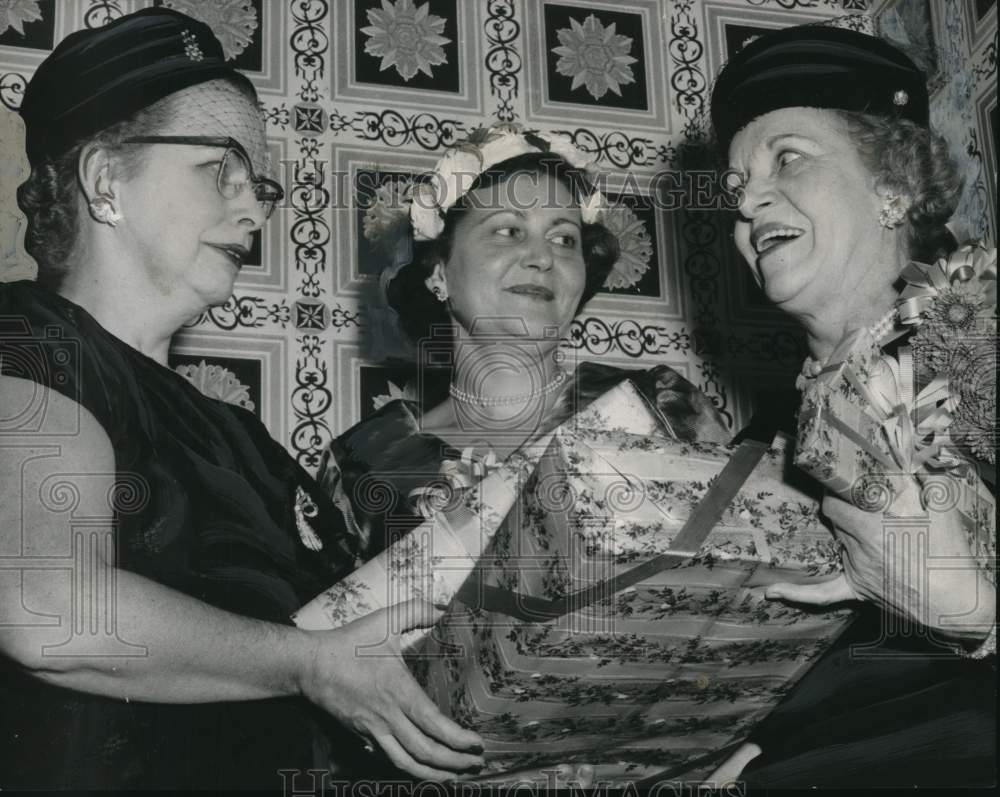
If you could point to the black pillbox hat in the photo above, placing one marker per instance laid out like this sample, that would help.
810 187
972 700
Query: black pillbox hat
816 67
95 78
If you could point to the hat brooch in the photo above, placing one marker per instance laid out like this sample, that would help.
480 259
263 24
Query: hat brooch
191 48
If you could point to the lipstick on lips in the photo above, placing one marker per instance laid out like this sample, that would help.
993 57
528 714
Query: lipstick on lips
768 236
530 290
237 253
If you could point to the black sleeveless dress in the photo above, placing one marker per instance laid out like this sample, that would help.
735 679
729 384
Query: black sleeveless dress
208 506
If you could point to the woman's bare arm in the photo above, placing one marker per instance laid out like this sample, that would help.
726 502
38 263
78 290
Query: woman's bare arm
171 647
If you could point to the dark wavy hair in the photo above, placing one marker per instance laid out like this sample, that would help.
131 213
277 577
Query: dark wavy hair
50 194
908 158
421 314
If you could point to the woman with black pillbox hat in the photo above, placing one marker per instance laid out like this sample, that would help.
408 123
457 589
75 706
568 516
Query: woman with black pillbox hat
168 659
843 192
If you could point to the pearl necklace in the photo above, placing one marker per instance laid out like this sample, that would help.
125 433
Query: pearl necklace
505 401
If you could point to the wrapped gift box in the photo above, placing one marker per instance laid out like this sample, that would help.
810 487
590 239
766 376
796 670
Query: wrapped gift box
437 557
654 677
649 675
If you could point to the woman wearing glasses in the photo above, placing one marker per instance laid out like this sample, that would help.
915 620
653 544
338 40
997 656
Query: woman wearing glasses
153 542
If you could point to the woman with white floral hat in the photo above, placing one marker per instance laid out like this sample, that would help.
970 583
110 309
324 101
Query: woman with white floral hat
494 254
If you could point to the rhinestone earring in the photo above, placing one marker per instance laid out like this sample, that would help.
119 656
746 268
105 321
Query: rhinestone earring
103 211
893 212
440 294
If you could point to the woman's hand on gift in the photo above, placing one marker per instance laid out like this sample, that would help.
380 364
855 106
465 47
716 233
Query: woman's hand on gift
913 562
358 675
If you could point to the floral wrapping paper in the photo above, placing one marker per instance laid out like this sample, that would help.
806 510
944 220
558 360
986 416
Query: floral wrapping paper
437 557
840 442
845 442
654 678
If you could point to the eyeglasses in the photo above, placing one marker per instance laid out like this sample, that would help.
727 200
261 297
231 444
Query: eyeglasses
235 170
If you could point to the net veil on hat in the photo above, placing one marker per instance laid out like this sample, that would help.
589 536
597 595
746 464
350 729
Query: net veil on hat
96 78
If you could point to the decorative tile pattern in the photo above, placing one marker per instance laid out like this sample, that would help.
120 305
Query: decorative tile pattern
12 85
28 24
362 171
101 12
408 53
598 61
503 58
377 90
729 27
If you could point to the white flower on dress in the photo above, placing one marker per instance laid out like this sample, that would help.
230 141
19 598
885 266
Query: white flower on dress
456 477
595 56
14 13
232 21
407 392
217 382
406 36
634 242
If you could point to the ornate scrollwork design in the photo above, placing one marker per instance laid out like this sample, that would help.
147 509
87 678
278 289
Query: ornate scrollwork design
620 149
713 387
311 399
789 4
246 312
344 319
12 85
687 80
503 61
986 67
277 115
701 264
393 129
598 337
310 232
310 44
101 12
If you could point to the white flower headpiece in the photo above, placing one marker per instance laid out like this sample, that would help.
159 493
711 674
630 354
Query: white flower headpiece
426 202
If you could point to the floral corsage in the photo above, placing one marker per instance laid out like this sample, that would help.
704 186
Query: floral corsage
952 307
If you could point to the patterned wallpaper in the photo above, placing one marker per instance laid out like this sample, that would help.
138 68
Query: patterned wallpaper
361 93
